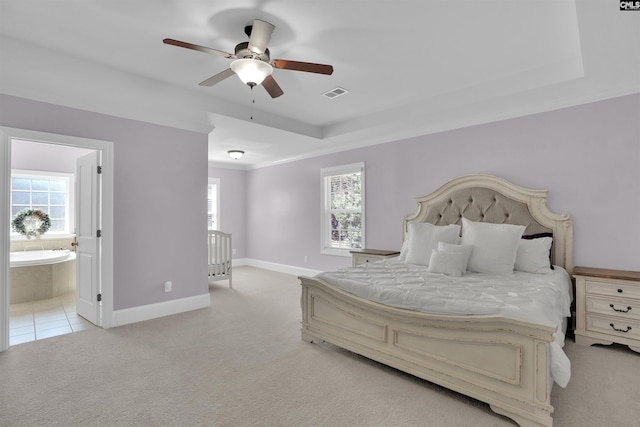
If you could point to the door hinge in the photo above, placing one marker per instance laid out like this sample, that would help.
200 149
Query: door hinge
99 169
99 233
99 297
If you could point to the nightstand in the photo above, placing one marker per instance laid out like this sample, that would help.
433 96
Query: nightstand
607 307
363 256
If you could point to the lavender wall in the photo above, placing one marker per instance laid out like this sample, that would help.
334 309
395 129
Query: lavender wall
233 206
160 188
587 156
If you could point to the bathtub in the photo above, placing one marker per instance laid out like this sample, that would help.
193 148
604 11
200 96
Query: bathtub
40 257
41 274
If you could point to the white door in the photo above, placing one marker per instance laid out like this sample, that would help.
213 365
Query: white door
88 243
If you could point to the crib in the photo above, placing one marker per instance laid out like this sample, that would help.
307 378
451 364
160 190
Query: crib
219 248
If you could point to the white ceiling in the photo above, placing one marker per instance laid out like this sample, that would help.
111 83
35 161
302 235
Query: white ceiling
411 67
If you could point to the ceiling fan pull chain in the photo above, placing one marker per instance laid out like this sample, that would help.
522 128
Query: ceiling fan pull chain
253 101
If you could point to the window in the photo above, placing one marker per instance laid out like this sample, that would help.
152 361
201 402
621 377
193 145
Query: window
48 191
213 204
343 209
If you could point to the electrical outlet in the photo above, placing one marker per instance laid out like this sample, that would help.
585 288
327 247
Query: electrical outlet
233 251
168 286
305 259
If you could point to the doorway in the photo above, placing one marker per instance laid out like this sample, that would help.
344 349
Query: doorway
104 275
43 292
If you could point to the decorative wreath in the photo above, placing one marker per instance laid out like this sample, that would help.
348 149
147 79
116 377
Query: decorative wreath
31 222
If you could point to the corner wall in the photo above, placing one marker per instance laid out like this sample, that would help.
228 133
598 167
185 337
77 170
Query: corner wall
233 206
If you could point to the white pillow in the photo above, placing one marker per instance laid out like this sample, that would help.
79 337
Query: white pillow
532 255
494 246
449 259
456 248
404 250
424 237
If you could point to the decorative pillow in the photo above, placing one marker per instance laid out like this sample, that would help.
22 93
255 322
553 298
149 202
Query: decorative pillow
447 263
532 255
449 259
494 246
424 237
456 248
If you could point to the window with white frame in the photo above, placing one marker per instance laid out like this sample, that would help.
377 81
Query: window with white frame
48 191
213 204
342 209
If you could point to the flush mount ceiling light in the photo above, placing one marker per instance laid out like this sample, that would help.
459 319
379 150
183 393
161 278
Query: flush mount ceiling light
235 154
251 71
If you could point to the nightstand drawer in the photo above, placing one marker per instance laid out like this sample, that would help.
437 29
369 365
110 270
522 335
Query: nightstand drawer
607 307
613 288
612 326
621 308
364 256
363 259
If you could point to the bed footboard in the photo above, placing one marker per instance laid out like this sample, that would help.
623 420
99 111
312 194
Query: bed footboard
498 361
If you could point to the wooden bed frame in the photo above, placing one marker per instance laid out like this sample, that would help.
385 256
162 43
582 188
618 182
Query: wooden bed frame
502 362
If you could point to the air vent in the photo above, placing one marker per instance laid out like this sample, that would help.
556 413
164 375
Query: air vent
335 93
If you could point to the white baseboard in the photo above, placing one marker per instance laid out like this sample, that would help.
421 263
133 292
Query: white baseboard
167 308
282 268
160 309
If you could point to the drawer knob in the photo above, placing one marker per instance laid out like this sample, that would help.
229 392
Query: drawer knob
620 310
619 330
619 291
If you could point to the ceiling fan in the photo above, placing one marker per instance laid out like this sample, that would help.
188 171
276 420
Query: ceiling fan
252 61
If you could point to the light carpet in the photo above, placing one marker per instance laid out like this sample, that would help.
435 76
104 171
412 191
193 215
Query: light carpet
241 362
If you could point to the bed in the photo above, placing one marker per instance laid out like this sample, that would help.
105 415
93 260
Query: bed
508 361
219 251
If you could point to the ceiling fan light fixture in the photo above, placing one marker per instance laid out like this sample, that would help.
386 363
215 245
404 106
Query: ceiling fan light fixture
253 63
251 71
235 154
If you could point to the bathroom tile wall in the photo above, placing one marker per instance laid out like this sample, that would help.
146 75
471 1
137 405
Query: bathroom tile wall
34 283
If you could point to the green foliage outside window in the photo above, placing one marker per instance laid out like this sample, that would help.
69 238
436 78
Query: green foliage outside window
346 207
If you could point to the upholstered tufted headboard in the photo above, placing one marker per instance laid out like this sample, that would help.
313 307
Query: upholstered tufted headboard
488 198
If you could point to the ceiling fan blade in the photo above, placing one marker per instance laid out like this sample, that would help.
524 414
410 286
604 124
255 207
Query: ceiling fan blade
260 36
198 48
218 77
308 67
272 87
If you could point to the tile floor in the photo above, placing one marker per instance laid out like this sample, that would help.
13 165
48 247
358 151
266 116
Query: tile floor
36 320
